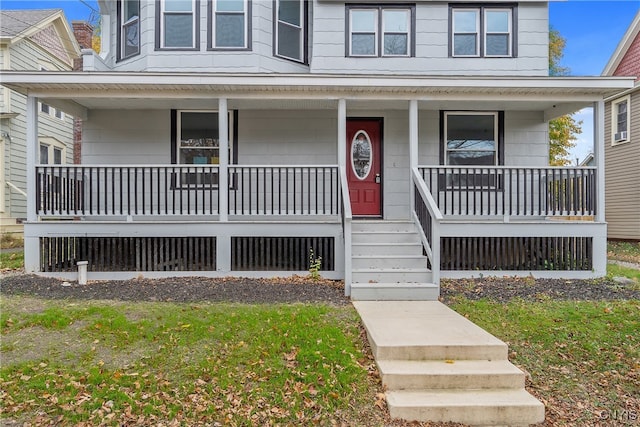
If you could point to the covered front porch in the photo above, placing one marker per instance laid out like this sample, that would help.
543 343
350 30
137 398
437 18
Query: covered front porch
278 192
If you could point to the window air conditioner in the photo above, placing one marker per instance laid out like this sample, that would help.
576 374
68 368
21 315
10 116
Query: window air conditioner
621 136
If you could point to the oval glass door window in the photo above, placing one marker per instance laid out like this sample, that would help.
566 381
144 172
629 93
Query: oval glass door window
361 154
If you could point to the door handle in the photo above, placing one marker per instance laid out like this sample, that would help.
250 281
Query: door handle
377 178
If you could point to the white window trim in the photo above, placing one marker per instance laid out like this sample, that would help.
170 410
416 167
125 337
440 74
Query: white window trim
300 27
614 120
376 27
454 32
123 26
193 26
52 143
509 33
408 32
471 113
244 12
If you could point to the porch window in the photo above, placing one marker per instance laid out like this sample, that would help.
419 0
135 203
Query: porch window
290 32
369 27
129 34
471 139
620 113
197 143
482 31
230 22
178 24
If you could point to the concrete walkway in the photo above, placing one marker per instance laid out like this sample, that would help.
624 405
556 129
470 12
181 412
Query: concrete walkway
438 366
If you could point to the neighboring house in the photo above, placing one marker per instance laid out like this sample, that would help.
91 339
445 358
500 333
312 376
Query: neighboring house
589 160
622 141
31 40
402 142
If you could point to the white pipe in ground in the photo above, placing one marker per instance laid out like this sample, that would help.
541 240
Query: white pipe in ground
82 272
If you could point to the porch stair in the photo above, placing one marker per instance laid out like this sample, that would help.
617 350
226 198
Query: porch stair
437 366
388 264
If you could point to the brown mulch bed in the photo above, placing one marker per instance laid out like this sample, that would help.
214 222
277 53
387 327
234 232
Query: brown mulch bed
182 289
301 289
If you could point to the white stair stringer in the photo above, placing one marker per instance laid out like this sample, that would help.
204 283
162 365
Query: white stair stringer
388 263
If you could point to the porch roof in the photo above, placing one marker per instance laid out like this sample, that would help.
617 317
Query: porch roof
87 90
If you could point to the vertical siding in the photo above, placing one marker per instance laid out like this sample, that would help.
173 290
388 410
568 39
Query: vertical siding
622 203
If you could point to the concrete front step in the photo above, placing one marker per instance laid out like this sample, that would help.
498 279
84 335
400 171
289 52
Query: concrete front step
389 237
389 261
362 249
394 292
425 330
450 374
391 275
474 407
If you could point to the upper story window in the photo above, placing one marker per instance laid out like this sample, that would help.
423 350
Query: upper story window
129 24
230 22
484 31
178 24
380 30
290 32
620 114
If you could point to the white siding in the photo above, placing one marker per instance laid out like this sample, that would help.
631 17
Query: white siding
327 46
259 59
127 137
432 53
26 55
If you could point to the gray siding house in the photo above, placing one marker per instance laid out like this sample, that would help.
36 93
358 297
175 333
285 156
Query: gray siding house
399 142
622 141
31 40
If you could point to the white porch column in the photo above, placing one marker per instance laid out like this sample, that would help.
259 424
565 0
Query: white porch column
223 176
223 240
342 133
598 153
31 246
600 240
413 147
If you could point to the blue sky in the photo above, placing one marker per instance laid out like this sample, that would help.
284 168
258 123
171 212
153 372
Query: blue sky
592 29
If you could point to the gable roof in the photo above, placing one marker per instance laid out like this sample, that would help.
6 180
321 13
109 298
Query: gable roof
623 46
16 25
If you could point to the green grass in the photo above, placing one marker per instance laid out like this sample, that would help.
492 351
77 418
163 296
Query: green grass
12 260
624 251
614 270
148 362
584 357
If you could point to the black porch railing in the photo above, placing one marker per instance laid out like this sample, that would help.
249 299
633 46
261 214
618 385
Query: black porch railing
175 190
283 190
512 191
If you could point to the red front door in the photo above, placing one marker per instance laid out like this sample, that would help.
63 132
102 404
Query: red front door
364 150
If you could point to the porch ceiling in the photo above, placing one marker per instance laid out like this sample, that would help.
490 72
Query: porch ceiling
91 90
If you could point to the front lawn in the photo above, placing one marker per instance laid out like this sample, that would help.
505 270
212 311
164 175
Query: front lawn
75 363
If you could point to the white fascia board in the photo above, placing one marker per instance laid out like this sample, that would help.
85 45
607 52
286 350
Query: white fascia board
52 82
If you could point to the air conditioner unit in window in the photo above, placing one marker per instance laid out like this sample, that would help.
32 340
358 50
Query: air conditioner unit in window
621 136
